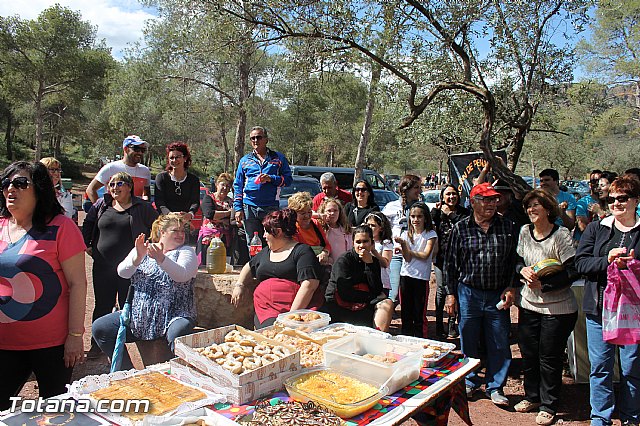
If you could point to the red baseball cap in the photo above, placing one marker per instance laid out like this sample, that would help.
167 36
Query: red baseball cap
484 190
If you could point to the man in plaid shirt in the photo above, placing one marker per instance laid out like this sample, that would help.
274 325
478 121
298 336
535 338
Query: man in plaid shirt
479 274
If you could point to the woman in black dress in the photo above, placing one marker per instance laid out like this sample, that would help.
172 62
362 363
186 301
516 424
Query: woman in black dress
288 272
363 203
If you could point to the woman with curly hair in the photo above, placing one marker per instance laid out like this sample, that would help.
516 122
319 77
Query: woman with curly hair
398 213
336 227
177 190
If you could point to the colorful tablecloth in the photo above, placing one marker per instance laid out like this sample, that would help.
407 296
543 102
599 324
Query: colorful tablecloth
435 413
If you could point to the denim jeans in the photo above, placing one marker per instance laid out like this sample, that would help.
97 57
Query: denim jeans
478 312
253 217
105 331
394 276
601 357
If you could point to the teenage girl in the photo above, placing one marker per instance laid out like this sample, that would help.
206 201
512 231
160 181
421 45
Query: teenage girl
336 226
383 250
418 244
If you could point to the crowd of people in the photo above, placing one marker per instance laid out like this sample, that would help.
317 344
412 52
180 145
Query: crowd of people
337 252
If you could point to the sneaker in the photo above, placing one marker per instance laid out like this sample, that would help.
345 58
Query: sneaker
498 398
525 406
544 419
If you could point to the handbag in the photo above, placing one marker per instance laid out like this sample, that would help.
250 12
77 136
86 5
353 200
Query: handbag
621 305
352 306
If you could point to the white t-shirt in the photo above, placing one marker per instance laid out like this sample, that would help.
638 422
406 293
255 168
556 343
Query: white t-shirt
418 268
386 245
140 173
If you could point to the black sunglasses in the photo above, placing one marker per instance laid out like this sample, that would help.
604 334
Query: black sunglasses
139 149
256 138
359 189
118 184
619 198
20 182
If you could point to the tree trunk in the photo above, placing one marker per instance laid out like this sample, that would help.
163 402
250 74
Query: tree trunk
241 124
39 124
523 125
365 136
223 136
8 135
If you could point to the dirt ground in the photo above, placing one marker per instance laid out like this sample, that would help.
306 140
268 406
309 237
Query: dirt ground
574 406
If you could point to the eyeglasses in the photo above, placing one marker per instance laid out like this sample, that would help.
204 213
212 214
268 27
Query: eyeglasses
256 138
141 149
177 157
487 200
19 182
55 171
359 189
176 231
118 184
620 198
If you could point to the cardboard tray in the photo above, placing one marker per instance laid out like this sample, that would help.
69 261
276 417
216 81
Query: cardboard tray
235 394
184 349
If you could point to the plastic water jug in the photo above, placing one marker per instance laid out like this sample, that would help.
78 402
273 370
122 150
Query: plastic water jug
216 257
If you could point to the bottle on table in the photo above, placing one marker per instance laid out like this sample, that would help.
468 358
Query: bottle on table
256 245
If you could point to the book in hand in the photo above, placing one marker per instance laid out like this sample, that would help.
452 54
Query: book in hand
547 267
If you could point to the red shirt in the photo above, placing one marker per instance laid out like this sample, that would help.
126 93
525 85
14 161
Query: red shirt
344 196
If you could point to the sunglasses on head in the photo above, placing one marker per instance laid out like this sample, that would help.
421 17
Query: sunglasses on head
118 184
19 182
619 198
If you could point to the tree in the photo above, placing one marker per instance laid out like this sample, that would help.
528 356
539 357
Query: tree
445 32
52 55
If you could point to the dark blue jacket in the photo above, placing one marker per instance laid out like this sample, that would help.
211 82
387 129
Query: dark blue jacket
247 191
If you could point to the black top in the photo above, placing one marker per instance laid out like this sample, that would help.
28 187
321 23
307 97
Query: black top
443 223
356 215
114 240
172 196
349 270
302 264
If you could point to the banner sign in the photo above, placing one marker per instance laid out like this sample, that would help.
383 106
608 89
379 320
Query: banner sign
463 168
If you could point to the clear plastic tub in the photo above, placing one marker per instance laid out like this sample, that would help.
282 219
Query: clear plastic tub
344 410
299 319
347 355
434 350
342 329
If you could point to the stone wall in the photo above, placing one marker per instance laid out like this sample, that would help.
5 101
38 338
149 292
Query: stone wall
213 301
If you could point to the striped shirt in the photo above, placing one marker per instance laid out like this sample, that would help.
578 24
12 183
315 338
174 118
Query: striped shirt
479 259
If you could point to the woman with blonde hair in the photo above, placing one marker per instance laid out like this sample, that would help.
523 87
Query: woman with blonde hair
162 273
336 226
65 198
309 231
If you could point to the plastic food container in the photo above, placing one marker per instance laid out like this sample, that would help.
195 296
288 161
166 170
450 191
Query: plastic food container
342 329
434 350
346 354
286 320
343 410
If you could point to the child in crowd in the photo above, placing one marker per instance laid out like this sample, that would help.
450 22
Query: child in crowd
383 250
418 244
336 227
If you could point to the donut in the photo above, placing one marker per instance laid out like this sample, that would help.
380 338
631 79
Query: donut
261 350
220 361
236 356
215 353
226 347
251 363
232 365
280 351
232 336
269 358
200 350
243 350
247 342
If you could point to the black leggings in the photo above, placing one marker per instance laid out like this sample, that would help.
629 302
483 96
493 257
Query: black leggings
47 364
106 285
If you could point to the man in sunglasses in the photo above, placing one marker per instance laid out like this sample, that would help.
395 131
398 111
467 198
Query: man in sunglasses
134 149
584 213
256 188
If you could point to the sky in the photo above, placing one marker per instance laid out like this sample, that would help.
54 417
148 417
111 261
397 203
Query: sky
119 22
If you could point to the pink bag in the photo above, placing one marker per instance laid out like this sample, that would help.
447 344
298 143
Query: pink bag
621 305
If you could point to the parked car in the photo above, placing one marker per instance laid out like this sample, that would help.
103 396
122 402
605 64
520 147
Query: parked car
383 196
431 197
344 175
299 184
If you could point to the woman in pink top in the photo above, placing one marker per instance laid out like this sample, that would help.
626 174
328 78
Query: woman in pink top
43 288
